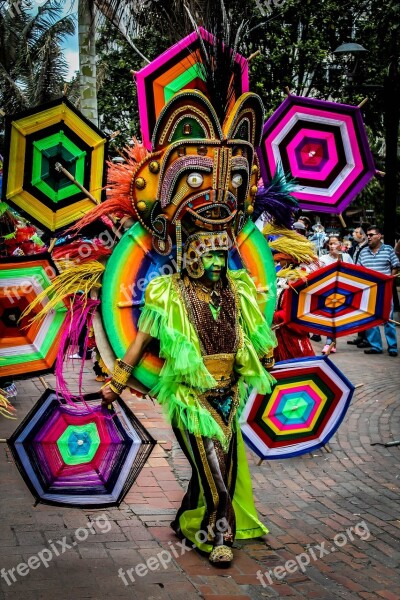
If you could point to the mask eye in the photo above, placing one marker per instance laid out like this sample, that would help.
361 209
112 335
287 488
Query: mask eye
237 180
195 180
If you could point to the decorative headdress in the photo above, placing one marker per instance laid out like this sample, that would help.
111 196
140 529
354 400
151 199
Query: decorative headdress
202 171
201 175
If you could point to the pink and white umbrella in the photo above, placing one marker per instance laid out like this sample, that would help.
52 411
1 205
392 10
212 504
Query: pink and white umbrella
323 145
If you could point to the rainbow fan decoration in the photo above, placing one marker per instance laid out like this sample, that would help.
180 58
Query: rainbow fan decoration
134 263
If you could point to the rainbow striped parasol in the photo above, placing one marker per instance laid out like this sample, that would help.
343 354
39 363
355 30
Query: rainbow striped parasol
340 299
180 67
80 454
302 412
27 348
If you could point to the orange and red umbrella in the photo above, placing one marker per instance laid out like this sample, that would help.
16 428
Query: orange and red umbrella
340 299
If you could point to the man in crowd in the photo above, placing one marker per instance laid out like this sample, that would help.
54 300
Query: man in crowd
382 258
360 241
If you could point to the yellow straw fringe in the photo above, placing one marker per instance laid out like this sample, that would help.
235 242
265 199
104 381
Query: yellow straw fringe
292 274
292 243
6 408
78 278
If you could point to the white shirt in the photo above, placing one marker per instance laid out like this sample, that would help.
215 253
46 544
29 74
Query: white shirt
327 259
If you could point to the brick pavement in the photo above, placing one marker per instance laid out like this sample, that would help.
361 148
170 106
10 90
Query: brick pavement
305 502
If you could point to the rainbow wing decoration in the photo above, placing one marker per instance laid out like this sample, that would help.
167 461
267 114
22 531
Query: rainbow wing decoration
178 68
134 263
324 146
340 299
302 412
39 138
27 348
80 455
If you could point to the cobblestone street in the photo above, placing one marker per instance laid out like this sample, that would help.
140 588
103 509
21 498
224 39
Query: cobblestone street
334 515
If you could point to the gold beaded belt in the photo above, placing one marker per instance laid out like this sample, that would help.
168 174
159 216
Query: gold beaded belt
220 366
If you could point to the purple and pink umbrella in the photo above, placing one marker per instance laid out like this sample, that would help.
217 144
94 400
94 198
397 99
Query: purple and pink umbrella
80 454
324 146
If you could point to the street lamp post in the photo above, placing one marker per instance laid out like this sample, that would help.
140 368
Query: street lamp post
391 94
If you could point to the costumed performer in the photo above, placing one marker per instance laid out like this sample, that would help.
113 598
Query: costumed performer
191 199
214 340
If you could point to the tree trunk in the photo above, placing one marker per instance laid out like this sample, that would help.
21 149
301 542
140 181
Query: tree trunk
87 59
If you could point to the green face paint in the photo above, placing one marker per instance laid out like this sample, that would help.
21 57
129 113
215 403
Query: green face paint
214 262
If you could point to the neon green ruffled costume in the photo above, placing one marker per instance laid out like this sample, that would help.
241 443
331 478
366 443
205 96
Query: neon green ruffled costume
183 384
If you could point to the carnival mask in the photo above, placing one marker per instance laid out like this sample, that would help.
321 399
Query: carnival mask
201 175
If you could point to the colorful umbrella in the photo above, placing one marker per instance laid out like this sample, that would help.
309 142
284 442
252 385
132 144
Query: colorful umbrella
324 146
302 412
38 139
27 348
82 454
340 299
178 68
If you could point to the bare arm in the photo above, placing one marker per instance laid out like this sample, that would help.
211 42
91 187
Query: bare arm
135 351
132 356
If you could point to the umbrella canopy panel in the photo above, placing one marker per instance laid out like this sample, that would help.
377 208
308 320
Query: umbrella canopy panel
302 412
27 348
82 454
179 67
323 145
38 139
340 299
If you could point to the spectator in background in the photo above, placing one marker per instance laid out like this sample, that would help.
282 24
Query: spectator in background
382 258
300 228
308 225
335 253
360 240
397 249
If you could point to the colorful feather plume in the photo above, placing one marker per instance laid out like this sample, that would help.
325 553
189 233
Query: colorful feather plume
78 279
275 202
81 251
218 59
119 180
75 329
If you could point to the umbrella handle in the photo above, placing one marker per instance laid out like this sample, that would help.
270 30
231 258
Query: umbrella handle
331 345
59 167
392 321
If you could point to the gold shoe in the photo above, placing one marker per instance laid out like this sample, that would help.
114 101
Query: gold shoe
221 555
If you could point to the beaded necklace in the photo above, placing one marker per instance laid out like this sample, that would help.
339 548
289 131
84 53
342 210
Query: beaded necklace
217 336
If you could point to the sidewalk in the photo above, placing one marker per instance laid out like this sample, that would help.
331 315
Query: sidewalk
309 503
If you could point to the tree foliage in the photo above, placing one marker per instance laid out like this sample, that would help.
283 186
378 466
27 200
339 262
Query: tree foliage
32 66
296 39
